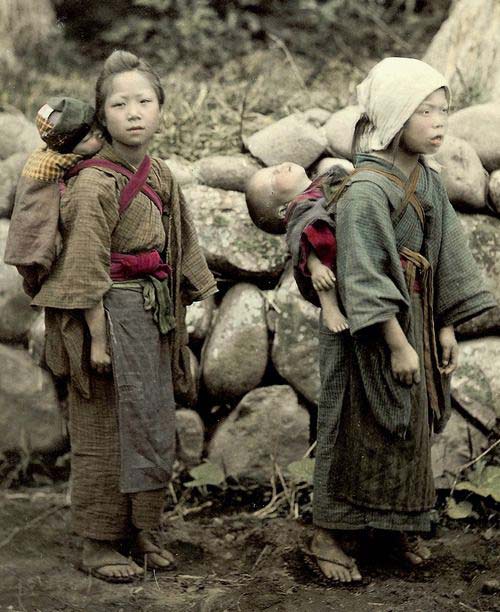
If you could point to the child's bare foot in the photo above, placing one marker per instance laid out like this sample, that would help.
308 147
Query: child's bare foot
331 559
101 560
147 549
412 549
333 319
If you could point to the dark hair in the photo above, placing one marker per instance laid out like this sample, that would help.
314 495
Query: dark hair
118 62
363 126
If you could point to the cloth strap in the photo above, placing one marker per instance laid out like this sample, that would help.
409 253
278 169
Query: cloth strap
408 188
434 381
136 183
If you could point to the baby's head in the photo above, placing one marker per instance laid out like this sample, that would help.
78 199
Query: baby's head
67 125
268 192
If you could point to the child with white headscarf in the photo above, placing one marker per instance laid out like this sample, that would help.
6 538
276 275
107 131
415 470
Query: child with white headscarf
406 278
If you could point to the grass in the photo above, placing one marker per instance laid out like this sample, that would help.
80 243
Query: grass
205 112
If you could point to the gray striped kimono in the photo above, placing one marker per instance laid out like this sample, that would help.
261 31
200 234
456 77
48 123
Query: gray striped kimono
373 466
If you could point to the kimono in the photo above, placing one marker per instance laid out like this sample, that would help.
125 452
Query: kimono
122 425
373 462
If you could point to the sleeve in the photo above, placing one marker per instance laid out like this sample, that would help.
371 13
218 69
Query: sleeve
460 291
369 272
195 281
89 214
317 237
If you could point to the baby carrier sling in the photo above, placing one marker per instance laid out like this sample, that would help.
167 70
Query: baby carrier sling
321 206
136 183
125 266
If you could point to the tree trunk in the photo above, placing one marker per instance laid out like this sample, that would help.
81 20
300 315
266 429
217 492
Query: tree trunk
466 50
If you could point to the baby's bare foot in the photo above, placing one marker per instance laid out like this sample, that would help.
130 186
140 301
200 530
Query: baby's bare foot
333 319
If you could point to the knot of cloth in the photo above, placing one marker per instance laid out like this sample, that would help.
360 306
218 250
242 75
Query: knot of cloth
126 266
417 270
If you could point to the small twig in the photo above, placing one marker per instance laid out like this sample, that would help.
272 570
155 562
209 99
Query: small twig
471 463
29 525
467 607
261 555
380 23
172 492
281 44
243 111
310 449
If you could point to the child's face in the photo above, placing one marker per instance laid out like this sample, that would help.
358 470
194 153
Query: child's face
283 181
425 130
131 110
90 144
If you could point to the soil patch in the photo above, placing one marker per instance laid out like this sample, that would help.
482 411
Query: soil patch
232 562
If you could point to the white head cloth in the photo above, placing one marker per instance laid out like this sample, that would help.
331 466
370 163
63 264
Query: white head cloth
391 93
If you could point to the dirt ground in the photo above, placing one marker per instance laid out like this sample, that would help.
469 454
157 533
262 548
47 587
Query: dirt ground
232 562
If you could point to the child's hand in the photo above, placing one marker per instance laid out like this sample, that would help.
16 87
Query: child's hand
100 359
322 277
449 350
405 364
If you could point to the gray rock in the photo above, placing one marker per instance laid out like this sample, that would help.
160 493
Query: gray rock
479 125
199 318
290 139
476 384
457 445
333 162
463 175
268 426
229 172
235 354
295 345
190 436
465 50
183 170
317 116
232 244
16 314
18 135
30 419
340 130
10 171
483 233
494 190
36 339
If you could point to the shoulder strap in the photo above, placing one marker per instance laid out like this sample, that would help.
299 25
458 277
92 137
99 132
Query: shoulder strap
409 188
136 183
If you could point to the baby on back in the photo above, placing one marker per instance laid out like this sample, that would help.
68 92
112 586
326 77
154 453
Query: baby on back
272 194
67 127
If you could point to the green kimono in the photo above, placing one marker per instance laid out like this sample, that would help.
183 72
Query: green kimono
373 464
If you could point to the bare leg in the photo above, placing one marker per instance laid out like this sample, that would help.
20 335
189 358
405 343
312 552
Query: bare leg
332 560
333 319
